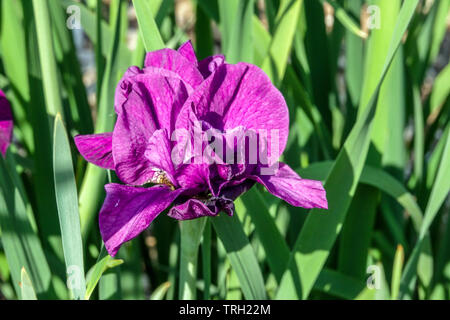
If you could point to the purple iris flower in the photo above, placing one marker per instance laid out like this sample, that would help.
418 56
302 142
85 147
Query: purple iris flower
177 96
6 123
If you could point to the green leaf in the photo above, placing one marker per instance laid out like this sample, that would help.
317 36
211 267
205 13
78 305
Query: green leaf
241 256
92 191
147 26
110 285
433 162
104 262
67 202
261 41
439 193
206 260
387 147
280 47
41 122
203 30
237 29
321 228
377 178
14 61
420 44
277 251
356 235
50 78
69 66
338 284
376 293
441 90
227 10
92 188
418 134
210 7
52 88
191 232
99 58
345 19
21 244
397 272
103 39
314 54
173 261
14 57
385 182
27 286
160 292
329 281
312 112
354 48
439 28
387 135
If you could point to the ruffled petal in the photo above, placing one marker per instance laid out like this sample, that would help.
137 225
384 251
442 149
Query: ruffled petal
210 64
195 208
125 84
127 211
240 154
191 209
232 190
287 185
6 123
226 161
174 61
162 96
152 104
241 95
187 51
158 154
124 87
193 177
96 148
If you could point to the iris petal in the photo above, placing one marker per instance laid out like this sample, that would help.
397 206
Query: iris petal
241 95
96 148
153 104
187 51
158 153
286 184
127 211
174 61
210 64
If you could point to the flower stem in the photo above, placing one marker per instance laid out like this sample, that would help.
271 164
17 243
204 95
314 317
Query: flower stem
191 233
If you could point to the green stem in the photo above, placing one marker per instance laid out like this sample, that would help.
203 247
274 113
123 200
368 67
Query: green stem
191 232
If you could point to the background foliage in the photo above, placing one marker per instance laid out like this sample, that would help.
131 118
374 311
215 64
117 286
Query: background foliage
367 84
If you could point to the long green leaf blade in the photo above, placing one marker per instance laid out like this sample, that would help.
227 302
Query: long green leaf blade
20 242
241 255
67 202
321 229
147 26
27 286
46 52
439 192
104 262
